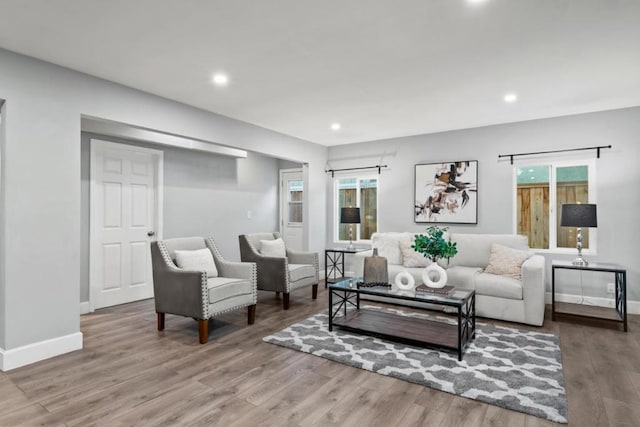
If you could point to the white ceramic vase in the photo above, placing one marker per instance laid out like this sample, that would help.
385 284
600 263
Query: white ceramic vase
405 281
434 271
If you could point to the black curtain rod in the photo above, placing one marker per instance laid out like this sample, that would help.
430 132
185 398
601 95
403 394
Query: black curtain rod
598 148
333 171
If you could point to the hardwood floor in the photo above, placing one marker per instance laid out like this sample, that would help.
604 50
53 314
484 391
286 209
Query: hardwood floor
131 374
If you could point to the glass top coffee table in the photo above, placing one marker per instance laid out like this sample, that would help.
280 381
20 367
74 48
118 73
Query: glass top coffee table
453 333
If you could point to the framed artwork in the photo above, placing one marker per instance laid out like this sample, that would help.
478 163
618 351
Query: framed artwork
447 193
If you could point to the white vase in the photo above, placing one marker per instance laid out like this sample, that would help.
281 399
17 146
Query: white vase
405 281
434 270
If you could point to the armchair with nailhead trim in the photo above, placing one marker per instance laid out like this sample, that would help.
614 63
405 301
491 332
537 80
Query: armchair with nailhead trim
193 293
277 274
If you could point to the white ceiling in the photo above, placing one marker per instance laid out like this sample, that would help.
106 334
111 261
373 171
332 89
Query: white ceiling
382 68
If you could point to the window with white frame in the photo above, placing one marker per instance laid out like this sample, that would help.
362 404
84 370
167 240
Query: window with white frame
356 192
541 189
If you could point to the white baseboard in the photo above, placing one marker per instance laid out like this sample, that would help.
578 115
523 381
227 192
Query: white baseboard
31 353
85 308
633 307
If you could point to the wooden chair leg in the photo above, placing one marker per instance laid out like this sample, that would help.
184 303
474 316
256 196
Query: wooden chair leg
251 315
203 331
314 291
160 321
285 300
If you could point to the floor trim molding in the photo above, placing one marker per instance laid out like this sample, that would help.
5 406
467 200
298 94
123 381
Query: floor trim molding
31 353
85 308
633 307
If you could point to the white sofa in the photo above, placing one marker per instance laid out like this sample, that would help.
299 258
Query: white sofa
497 297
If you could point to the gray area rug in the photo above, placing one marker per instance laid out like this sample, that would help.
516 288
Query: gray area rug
507 367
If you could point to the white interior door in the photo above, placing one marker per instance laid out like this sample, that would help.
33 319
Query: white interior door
291 208
125 215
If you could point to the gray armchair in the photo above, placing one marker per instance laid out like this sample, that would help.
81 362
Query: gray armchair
297 269
193 293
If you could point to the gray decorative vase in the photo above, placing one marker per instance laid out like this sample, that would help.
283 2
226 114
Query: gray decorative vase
375 269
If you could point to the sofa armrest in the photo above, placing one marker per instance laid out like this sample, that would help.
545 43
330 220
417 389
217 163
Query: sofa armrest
534 289
236 270
358 262
178 291
297 257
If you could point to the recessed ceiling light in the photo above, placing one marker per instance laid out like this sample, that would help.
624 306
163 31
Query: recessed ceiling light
510 98
476 1
220 79
335 126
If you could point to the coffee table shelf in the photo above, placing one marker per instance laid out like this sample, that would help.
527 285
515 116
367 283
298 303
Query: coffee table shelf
408 329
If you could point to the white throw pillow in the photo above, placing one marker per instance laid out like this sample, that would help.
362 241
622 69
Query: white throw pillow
506 261
273 248
198 260
388 245
411 258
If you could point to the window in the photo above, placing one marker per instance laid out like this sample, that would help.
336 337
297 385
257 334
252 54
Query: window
294 200
541 190
356 192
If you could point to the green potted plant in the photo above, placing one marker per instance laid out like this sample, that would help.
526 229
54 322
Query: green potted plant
434 246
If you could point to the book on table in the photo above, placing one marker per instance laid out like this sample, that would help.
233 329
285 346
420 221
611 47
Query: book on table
444 291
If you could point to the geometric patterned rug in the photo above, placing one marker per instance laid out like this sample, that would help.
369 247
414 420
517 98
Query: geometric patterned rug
507 367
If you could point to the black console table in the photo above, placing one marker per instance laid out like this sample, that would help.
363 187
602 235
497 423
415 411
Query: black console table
617 315
334 263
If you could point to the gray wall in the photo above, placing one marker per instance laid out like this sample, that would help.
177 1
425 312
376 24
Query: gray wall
44 105
618 179
3 299
286 164
204 195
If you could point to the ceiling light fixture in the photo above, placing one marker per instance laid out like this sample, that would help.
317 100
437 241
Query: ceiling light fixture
476 1
220 79
335 126
510 98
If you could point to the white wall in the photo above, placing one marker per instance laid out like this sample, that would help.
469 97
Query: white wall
618 179
204 195
44 105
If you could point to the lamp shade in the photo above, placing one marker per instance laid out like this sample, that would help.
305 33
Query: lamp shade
579 215
350 216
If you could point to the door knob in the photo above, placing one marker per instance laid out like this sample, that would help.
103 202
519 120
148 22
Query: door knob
151 233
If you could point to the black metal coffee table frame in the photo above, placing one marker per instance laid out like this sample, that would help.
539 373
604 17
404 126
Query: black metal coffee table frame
406 329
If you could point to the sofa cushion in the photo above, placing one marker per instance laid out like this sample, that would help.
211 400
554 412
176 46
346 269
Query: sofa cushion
273 248
498 286
411 258
474 249
388 245
462 277
301 271
197 260
506 261
221 288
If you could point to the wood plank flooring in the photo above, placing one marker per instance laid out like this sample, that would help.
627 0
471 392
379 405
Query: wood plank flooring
131 374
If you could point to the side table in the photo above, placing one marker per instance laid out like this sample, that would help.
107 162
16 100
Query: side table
617 315
334 263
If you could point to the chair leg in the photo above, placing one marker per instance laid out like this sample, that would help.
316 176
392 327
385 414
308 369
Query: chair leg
160 321
314 291
285 300
203 331
251 314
